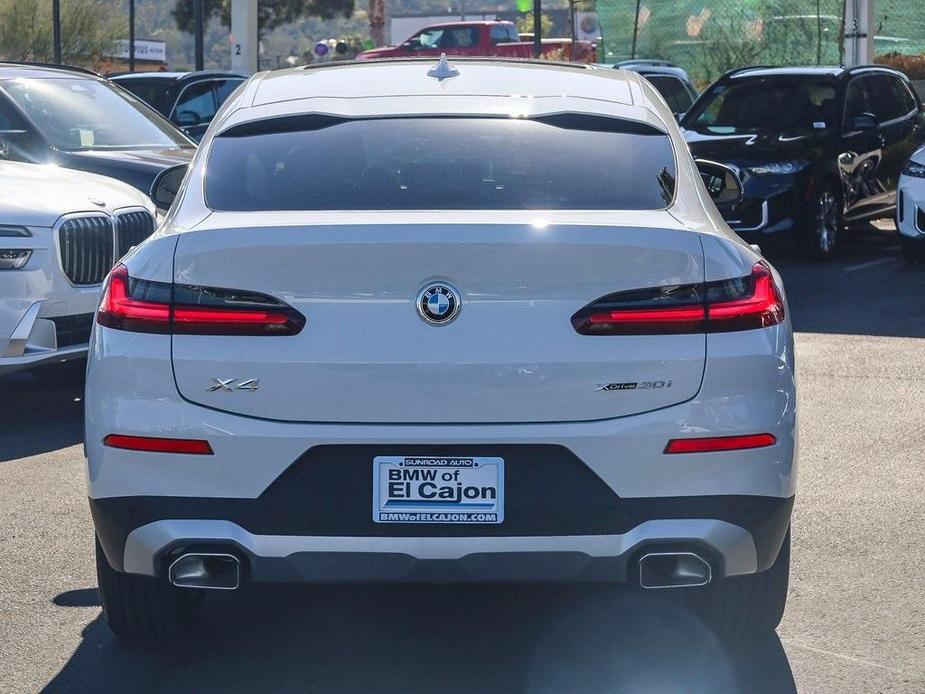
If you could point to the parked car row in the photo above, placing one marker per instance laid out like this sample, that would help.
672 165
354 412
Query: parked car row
799 152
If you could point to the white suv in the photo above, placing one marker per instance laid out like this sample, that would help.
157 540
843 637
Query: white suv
60 233
910 208
492 330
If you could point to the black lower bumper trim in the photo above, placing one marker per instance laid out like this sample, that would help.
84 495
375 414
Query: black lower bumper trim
766 518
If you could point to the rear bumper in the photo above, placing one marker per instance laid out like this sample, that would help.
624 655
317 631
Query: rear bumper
737 534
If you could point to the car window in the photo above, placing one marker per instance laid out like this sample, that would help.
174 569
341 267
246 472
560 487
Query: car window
224 89
81 113
428 39
857 101
460 37
673 90
902 97
558 162
197 99
504 33
882 99
767 103
152 92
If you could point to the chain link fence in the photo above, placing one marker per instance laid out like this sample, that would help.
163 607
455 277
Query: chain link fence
710 36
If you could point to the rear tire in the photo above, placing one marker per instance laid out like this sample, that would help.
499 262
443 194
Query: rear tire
143 608
748 604
822 223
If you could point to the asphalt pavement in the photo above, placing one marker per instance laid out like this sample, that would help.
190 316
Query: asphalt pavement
855 619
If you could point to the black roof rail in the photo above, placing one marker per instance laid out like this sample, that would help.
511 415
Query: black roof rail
55 66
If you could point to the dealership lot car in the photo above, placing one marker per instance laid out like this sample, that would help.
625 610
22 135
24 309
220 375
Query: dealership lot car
910 208
188 99
60 233
78 120
816 148
502 336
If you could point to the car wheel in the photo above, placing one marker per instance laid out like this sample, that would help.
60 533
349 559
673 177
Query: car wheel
913 250
748 604
143 608
823 223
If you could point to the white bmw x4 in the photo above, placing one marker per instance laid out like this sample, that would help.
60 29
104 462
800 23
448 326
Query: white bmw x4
471 322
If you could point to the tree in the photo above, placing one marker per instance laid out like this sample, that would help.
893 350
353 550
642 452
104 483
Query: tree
270 13
86 36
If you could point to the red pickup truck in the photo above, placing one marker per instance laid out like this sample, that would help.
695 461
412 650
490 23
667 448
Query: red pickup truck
490 38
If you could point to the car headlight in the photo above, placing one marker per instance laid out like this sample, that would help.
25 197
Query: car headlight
778 167
14 258
914 169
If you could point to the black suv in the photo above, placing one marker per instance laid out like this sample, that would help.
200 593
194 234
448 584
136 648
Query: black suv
189 99
78 120
816 148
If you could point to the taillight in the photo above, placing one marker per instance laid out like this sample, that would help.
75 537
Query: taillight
742 303
156 444
162 307
720 443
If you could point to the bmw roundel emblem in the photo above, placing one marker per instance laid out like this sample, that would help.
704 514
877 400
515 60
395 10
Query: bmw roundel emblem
438 303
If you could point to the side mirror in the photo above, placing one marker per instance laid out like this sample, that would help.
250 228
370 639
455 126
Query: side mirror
187 118
864 121
166 186
722 182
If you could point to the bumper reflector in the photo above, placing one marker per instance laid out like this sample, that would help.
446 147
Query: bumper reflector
158 445
720 443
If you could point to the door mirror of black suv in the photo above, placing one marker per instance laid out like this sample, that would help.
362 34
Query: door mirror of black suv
864 121
166 186
722 182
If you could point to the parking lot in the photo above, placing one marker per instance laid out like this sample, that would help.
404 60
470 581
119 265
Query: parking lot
855 619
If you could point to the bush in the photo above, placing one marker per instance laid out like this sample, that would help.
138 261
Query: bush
912 65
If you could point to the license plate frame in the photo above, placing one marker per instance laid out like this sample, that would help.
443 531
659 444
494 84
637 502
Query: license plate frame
455 490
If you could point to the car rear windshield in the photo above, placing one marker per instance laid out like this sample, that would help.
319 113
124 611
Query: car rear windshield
432 163
766 103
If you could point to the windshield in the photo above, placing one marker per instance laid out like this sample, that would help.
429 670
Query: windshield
80 113
562 162
775 103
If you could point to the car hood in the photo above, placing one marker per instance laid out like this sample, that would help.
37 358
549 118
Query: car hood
137 167
37 195
764 145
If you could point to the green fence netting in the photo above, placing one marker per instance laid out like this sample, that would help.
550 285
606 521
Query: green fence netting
711 36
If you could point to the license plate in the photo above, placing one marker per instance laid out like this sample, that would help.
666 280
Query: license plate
424 489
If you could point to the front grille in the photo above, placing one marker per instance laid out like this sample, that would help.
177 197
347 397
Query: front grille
131 229
86 245
73 330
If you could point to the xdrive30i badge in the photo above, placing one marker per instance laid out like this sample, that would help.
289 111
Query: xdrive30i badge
438 303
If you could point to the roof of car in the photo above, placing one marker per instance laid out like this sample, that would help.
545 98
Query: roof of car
652 69
397 87
472 23
16 69
172 76
477 77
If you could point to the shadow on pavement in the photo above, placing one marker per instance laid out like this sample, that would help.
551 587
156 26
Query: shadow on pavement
38 415
867 289
435 639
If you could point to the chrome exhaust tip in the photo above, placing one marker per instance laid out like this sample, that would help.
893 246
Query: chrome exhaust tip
206 571
674 570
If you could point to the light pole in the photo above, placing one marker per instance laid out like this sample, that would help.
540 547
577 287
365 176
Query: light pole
56 28
131 35
198 24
